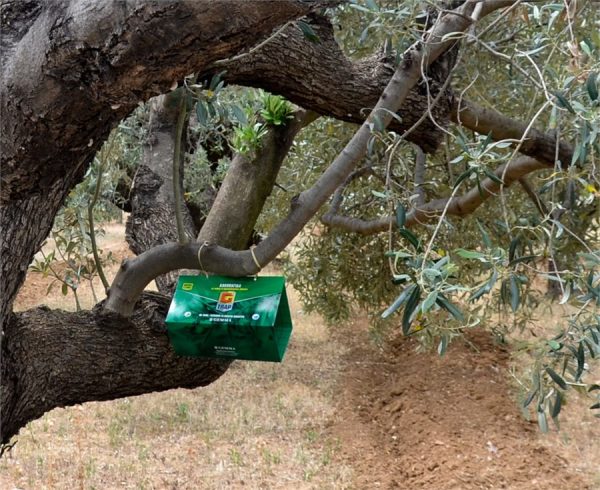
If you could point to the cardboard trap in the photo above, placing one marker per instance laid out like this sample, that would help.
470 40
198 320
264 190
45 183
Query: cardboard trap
226 317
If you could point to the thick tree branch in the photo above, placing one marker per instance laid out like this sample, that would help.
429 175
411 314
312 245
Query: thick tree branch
334 85
241 204
91 60
17 17
64 86
76 68
537 144
108 357
331 84
103 349
95 62
457 206
81 68
152 217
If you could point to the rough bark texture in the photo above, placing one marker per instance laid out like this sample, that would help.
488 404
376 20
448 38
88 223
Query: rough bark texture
108 356
152 219
331 84
71 70
85 64
229 223
24 225
54 358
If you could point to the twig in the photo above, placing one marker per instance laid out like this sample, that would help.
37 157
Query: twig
255 48
90 210
539 204
419 175
176 166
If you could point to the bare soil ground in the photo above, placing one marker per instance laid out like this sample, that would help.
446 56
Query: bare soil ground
420 421
339 412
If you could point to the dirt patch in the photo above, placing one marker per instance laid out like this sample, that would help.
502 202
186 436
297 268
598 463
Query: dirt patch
411 420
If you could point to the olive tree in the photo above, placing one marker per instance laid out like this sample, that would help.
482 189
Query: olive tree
431 143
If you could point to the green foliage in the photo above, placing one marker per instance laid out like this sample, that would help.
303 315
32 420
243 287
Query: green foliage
246 139
371 25
70 261
308 31
276 110
236 117
536 65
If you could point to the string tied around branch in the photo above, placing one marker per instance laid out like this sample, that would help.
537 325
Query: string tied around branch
254 258
204 244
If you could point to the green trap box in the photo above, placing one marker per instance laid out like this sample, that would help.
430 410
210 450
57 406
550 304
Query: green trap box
240 318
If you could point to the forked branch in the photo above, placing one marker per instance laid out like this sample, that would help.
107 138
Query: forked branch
135 274
457 206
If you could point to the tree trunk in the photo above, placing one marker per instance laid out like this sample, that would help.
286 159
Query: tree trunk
70 72
152 220
24 225
71 69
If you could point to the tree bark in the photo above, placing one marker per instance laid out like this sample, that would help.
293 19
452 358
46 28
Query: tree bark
331 84
24 225
536 144
238 204
135 275
91 67
70 71
54 358
152 218
228 225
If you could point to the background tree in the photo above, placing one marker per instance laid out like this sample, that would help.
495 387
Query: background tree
94 63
